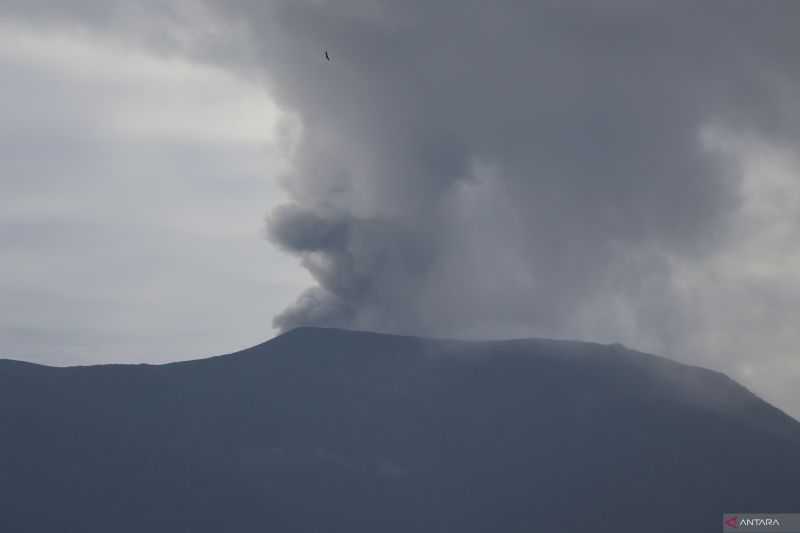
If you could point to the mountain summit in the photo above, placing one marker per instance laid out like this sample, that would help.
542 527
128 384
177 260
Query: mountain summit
341 431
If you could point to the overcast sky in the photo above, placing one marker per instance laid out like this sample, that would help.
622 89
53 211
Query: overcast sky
626 173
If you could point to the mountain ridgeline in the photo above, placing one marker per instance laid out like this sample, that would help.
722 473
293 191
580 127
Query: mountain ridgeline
323 430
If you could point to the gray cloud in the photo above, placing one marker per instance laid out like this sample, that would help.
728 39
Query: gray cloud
347 256
586 119
131 194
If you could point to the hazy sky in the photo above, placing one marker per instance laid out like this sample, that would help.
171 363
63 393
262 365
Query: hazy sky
475 169
133 189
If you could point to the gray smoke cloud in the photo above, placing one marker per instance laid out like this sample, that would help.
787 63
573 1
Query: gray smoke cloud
359 264
473 168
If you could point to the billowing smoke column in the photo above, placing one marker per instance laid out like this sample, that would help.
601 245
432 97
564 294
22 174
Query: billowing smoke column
357 263
501 168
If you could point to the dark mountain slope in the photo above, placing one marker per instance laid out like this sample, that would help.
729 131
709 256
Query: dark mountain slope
330 430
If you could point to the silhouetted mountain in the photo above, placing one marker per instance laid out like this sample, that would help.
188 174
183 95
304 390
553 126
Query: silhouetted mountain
335 431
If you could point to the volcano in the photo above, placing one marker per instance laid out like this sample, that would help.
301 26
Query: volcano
329 430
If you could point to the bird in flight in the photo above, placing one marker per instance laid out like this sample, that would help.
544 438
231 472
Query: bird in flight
327 56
